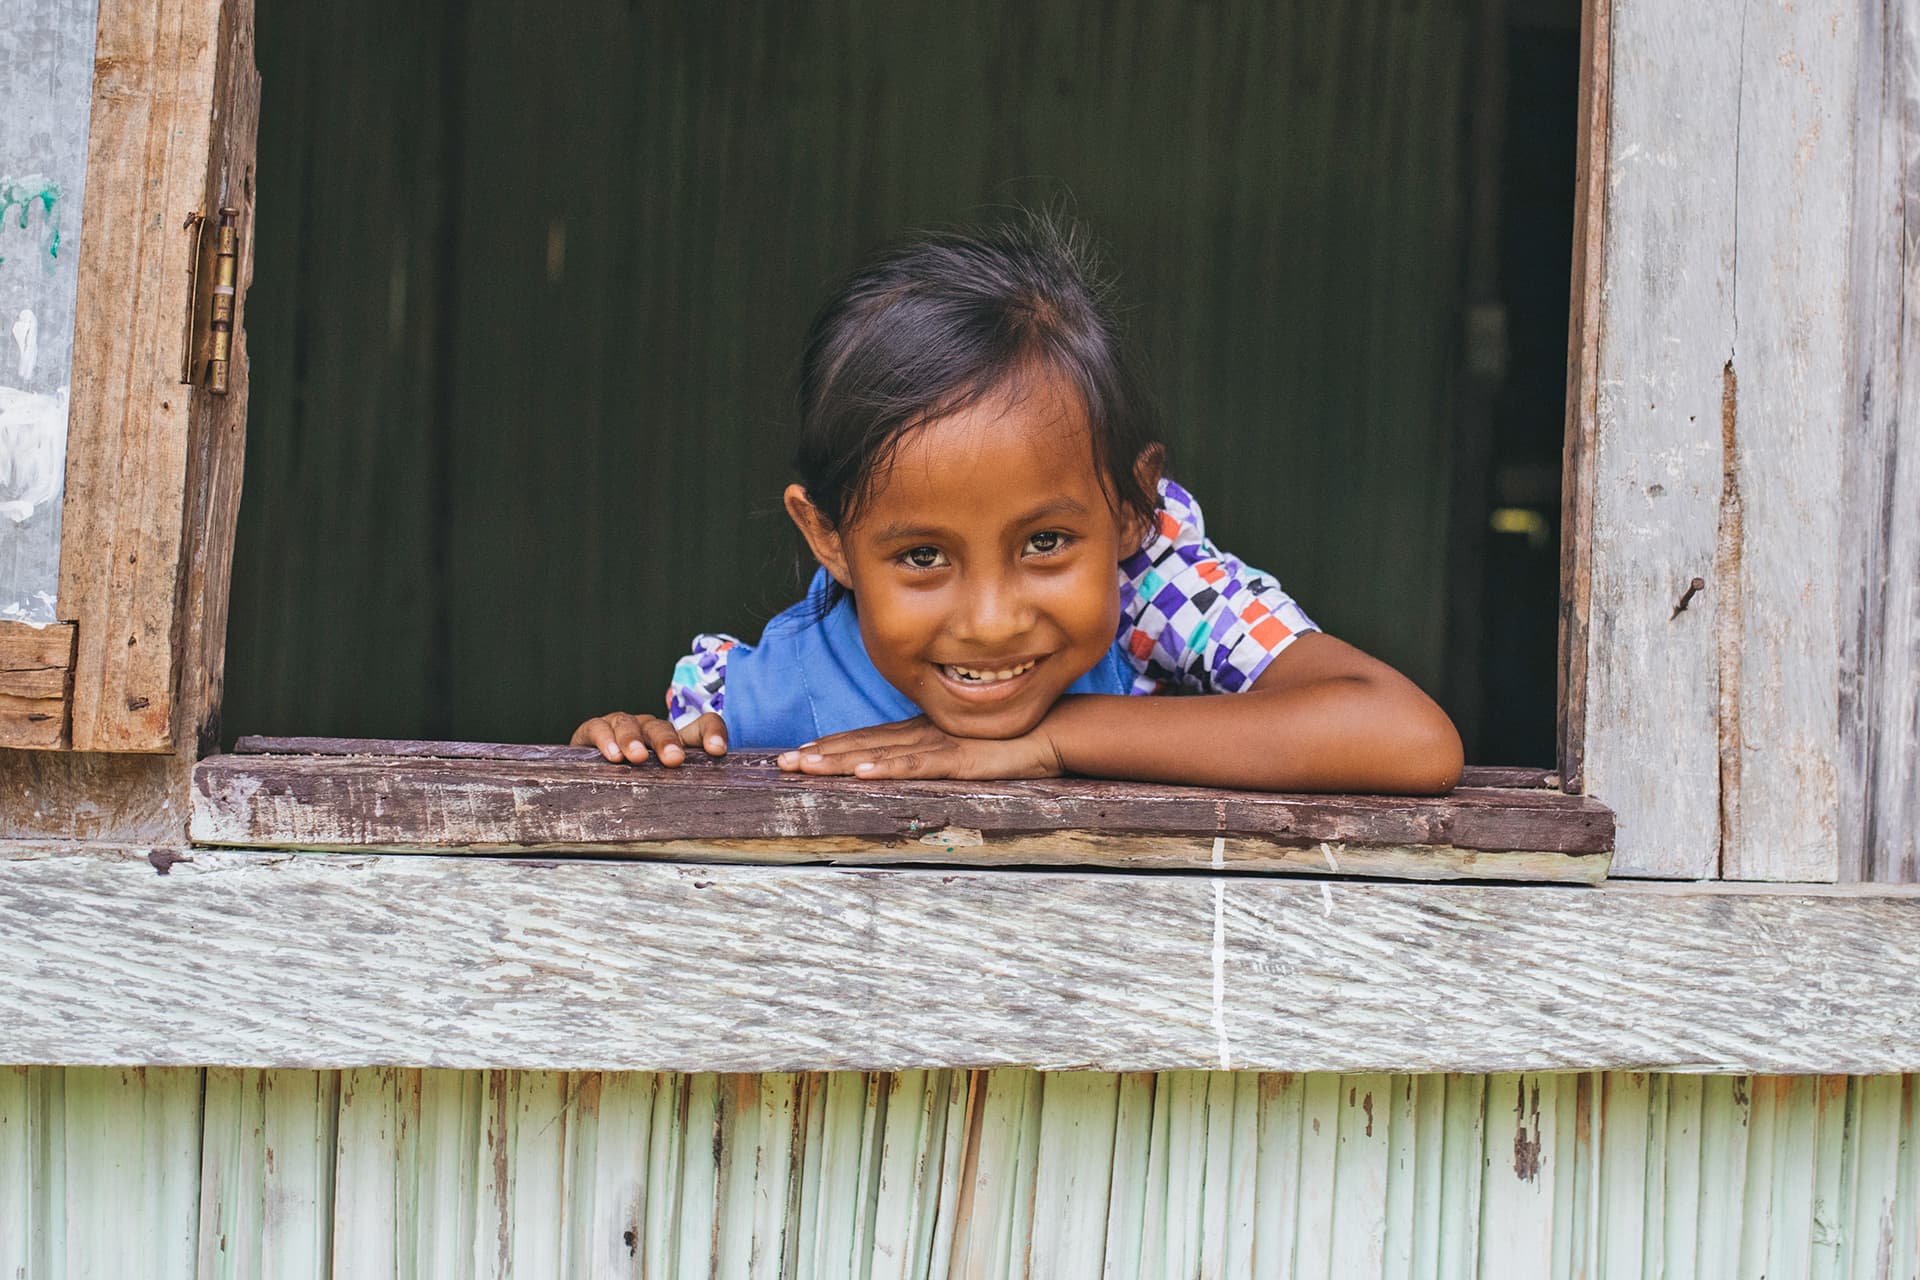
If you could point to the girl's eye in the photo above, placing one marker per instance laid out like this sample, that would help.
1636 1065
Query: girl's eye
1045 541
924 557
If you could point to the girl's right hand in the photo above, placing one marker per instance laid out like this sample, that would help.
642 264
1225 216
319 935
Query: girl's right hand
620 736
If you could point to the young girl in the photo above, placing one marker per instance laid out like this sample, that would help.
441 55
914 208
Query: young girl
1006 575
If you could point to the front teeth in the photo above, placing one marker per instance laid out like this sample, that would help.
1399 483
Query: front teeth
975 676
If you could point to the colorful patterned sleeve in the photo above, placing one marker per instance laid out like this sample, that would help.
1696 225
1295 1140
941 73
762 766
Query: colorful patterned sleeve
1195 618
699 683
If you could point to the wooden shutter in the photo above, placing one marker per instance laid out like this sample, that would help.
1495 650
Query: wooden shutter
132 662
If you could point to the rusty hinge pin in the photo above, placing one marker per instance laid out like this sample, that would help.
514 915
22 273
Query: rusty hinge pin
226 273
190 348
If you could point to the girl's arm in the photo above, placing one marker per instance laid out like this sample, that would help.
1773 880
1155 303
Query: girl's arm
1323 716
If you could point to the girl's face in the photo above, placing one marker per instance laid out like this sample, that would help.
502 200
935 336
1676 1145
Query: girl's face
984 562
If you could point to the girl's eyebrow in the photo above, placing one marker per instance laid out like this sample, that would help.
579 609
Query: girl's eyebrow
900 530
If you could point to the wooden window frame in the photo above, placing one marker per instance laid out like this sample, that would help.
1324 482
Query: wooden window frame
576 963
154 467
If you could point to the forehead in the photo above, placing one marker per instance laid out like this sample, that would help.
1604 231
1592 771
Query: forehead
1013 450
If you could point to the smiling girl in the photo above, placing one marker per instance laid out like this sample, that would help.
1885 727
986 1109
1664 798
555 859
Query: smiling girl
1007 578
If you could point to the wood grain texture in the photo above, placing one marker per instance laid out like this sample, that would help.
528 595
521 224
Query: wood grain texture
310 960
152 479
1780 658
36 684
1591 156
745 811
94 795
1879 809
1515 776
216 441
1650 714
1472 775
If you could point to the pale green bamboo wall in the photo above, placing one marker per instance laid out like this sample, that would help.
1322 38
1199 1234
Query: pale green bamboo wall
230 1173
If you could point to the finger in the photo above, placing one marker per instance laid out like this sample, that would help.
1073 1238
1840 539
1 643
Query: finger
846 762
664 740
626 737
910 730
917 733
709 733
598 734
904 764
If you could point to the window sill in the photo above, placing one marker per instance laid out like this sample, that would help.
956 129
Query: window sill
335 794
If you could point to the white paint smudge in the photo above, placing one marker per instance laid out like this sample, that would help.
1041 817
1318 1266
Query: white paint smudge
1326 900
1220 965
1326 851
26 336
1219 852
33 448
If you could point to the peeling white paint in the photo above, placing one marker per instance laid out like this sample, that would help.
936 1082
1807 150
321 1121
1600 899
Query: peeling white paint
33 446
26 336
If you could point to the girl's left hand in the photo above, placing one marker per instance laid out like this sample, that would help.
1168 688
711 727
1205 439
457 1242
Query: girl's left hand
916 748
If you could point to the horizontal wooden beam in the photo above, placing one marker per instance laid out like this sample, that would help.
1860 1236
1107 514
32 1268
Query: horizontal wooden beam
1474 775
310 960
742 809
36 684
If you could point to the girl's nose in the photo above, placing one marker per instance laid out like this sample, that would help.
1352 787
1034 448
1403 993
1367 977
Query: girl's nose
995 612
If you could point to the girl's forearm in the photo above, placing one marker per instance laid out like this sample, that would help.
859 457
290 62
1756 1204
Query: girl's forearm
1360 733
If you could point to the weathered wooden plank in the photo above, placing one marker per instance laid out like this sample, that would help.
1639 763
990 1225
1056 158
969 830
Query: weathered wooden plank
1783 440
36 684
1515 776
722 813
1520 1173
1879 556
132 1148
621 1105
1650 467
1463 1163
1127 1194
373 1187
300 1113
1361 1171
32 1169
153 467
1725 1103
1681 1174
1620 1207
327 960
912 1150
232 1157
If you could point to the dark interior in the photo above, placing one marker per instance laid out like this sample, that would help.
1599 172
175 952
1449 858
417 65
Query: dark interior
529 292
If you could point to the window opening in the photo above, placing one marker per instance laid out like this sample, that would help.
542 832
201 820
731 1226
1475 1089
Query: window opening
519 390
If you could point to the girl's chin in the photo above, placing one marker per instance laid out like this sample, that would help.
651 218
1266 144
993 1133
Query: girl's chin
974 722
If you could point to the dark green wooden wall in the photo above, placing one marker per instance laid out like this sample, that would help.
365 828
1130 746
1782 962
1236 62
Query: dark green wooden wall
530 288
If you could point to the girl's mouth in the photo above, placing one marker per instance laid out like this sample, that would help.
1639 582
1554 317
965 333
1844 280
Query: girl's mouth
984 684
986 675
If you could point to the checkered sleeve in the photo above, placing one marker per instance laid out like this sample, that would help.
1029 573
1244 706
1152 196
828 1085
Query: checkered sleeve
699 683
1194 618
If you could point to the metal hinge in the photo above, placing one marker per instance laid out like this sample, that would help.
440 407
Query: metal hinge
209 341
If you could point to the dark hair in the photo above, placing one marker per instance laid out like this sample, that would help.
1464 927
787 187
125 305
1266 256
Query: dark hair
935 324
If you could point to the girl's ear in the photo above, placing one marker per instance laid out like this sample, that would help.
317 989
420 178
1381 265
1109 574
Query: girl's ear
1148 467
822 538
